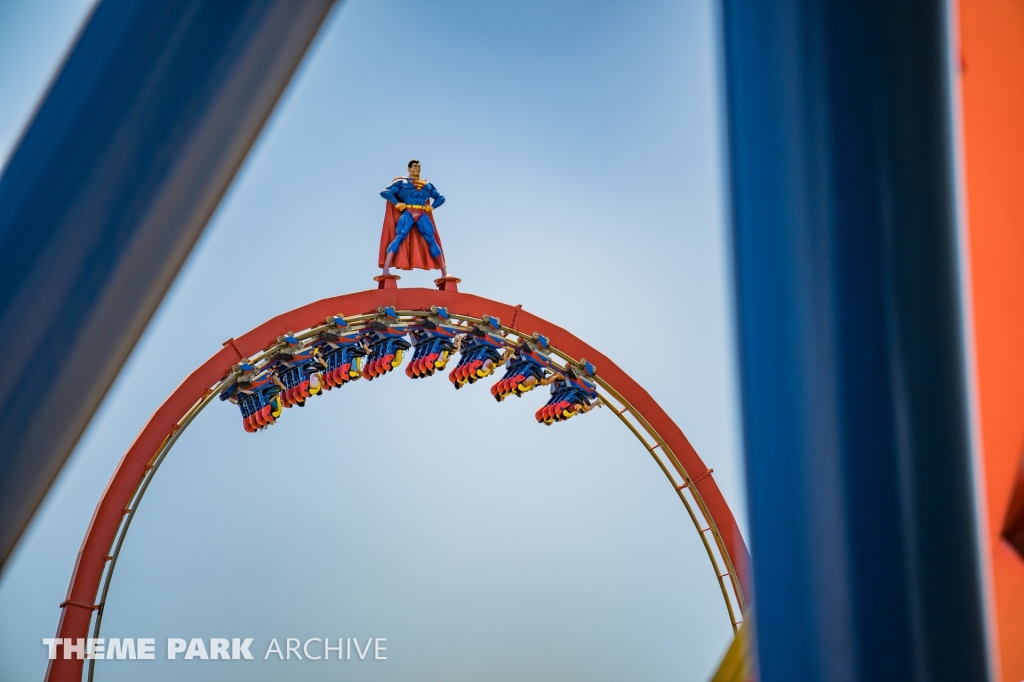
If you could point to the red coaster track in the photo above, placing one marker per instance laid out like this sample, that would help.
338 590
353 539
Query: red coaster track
690 478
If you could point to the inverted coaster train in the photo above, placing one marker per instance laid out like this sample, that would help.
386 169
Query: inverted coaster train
369 346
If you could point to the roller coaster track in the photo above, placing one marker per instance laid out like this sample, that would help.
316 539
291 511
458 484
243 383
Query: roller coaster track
691 480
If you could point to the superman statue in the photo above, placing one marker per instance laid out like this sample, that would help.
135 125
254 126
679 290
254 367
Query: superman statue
409 238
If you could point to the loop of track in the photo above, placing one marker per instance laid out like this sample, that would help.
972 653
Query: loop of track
663 440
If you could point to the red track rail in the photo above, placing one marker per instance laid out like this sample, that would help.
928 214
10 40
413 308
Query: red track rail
92 557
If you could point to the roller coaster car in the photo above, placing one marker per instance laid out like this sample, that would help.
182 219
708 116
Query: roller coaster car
434 340
573 392
257 396
529 367
341 353
481 351
296 371
386 340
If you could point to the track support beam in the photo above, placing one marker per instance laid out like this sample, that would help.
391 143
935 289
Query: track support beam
855 404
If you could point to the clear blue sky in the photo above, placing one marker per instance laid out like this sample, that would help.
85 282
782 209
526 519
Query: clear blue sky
579 145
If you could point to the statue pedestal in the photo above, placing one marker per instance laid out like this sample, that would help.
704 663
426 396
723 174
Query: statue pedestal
387 281
447 283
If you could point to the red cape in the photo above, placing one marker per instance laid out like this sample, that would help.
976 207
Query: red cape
413 252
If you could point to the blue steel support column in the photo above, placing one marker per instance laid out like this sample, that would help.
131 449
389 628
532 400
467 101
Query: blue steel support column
854 395
132 148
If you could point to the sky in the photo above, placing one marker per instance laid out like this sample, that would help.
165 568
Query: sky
580 149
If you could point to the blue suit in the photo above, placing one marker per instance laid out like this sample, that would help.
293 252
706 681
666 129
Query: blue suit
414 193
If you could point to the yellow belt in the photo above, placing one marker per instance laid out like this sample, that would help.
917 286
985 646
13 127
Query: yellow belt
424 208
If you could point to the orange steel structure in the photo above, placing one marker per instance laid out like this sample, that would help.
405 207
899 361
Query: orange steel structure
692 480
992 44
